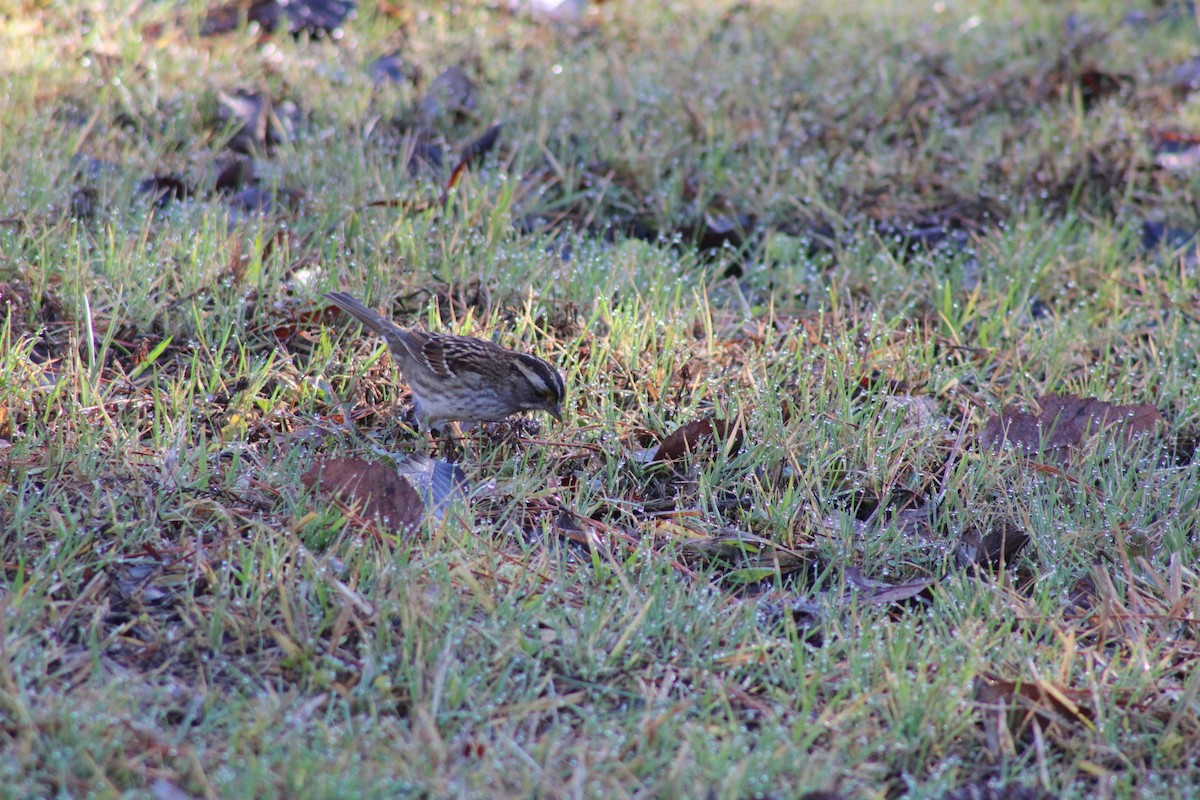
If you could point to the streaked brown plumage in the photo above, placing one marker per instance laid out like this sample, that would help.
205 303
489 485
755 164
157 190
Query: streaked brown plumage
461 378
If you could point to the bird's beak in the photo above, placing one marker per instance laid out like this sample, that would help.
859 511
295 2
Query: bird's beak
556 412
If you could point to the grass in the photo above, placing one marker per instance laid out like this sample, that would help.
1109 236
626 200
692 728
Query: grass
937 215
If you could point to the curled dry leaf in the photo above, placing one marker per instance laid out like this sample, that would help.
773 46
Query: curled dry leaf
482 145
388 68
473 151
574 528
1065 421
266 200
882 593
993 548
1020 702
915 522
451 93
375 491
162 190
259 123
587 531
716 231
314 17
702 435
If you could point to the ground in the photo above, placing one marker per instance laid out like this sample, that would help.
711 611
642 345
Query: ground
876 476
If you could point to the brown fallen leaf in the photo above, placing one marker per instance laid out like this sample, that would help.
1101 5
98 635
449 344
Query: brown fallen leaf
915 522
266 200
314 17
162 190
1095 84
699 436
388 68
375 491
451 93
479 147
234 172
1064 422
259 123
582 530
717 231
881 593
1034 701
298 321
1084 599
995 548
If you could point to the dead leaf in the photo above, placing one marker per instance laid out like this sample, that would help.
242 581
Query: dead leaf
374 490
1090 82
314 17
1032 702
1163 140
482 145
568 525
1083 599
388 68
718 231
451 92
587 531
883 593
165 189
699 436
260 124
1095 84
83 203
1064 422
996 548
266 200
914 522
234 172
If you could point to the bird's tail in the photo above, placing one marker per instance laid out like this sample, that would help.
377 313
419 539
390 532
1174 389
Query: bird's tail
366 316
